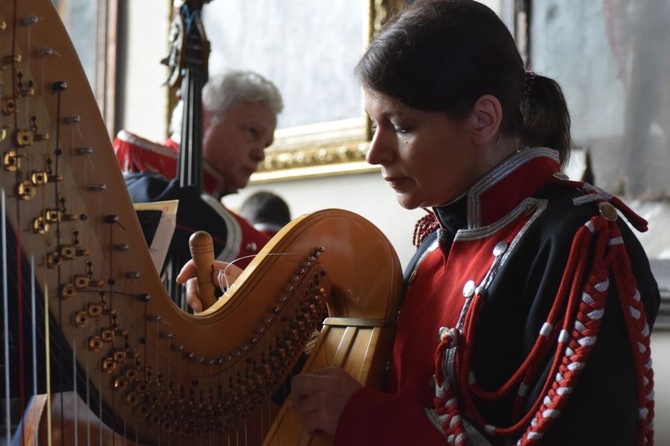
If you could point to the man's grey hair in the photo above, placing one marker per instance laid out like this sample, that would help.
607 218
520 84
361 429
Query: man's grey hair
223 91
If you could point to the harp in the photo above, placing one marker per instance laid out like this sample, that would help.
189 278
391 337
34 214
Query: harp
84 310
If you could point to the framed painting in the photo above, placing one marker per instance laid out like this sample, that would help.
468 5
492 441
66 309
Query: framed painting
308 48
611 58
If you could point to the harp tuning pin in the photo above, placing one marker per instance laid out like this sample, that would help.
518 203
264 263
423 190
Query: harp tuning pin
11 160
46 51
8 105
99 187
30 20
81 319
59 86
84 150
68 291
24 137
144 297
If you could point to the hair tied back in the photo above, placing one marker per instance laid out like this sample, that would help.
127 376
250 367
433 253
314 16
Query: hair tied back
529 80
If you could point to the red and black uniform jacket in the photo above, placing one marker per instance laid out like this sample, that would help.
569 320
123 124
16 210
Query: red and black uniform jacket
150 171
509 242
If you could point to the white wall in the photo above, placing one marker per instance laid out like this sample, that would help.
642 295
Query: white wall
145 95
366 194
660 352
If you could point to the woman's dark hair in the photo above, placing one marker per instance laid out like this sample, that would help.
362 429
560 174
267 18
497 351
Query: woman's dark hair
443 55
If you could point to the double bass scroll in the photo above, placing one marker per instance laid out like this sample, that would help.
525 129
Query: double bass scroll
188 63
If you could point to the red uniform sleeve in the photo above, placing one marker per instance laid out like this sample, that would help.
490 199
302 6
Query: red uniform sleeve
374 417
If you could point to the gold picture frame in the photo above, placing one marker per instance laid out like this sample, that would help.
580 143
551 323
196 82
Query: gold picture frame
329 148
333 147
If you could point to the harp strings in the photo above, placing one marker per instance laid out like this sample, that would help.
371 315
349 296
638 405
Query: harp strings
25 301
5 319
223 278
19 296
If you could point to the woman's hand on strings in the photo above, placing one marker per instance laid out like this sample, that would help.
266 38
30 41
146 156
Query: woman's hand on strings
319 398
223 275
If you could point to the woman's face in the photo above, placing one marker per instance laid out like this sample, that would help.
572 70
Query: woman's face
428 158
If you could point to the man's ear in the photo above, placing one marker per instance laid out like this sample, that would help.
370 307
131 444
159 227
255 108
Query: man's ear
487 114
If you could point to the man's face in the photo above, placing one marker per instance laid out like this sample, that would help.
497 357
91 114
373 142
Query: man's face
236 146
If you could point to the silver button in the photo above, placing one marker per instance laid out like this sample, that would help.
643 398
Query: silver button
469 289
500 248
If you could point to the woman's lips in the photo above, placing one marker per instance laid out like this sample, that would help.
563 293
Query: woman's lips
395 182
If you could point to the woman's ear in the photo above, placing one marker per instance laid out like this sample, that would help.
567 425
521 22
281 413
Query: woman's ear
487 114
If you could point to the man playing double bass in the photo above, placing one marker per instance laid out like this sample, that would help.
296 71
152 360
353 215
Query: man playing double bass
239 117
221 127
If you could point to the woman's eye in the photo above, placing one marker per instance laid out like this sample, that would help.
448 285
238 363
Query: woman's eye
400 127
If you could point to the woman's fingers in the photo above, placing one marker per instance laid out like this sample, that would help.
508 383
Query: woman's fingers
320 397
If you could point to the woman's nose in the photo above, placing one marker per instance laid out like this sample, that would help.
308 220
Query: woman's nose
380 150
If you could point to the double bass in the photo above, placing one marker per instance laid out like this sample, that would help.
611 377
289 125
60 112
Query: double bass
188 65
159 173
84 310
188 62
